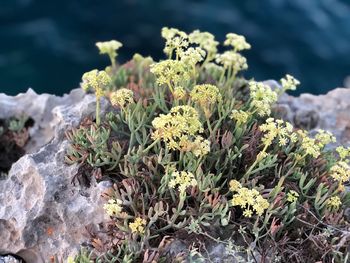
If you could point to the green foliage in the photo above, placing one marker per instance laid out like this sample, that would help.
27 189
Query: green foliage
195 155
17 124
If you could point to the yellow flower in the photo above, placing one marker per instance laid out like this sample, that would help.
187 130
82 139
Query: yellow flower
206 41
235 185
122 97
309 145
240 116
96 80
200 146
262 97
249 200
70 259
206 95
113 207
238 42
232 60
333 203
248 213
340 172
276 129
292 196
176 40
343 152
181 123
170 72
138 226
179 93
182 180
110 48
192 56
324 137
289 83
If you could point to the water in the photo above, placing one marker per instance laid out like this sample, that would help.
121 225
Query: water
48 45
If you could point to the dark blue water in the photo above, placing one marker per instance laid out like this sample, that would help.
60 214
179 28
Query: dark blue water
48 44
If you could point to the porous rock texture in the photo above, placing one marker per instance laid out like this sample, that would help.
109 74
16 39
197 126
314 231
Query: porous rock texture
330 112
43 214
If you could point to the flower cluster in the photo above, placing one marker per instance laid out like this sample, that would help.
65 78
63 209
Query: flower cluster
279 129
179 93
240 116
333 203
170 72
205 95
340 172
343 152
192 56
205 41
238 42
249 200
314 146
177 127
199 147
138 226
232 61
96 80
121 97
289 83
308 144
262 97
176 40
182 180
113 207
324 137
292 196
110 48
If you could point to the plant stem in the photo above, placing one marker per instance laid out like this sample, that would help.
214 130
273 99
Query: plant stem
246 175
209 126
98 120
150 146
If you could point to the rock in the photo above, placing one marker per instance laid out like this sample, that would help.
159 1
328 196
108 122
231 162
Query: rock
42 213
9 259
329 112
39 108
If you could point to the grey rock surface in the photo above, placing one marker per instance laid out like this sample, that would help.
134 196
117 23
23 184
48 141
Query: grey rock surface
39 108
329 112
42 213
9 259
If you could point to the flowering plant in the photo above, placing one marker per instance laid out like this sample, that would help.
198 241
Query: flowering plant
194 150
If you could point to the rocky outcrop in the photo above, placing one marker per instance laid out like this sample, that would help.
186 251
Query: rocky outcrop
329 112
43 214
39 108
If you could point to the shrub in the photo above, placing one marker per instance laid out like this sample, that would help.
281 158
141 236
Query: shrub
196 153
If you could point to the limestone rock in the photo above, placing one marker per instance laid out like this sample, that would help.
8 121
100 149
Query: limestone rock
39 108
9 259
330 112
42 213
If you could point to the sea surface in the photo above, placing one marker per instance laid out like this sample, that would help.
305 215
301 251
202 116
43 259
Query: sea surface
48 45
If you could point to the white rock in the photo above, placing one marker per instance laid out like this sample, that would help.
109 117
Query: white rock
42 213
